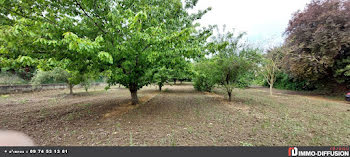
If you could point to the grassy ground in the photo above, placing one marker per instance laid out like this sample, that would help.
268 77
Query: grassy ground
177 116
289 118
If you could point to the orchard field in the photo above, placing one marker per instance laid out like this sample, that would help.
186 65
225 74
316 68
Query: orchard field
177 116
170 80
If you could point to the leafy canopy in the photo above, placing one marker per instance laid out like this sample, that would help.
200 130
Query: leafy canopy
318 47
123 40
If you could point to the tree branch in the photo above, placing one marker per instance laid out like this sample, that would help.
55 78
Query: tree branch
79 5
32 18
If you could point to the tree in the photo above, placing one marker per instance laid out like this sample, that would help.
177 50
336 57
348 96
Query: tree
87 83
204 77
45 43
182 70
272 61
155 30
231 61
186 73
15 45
318 43
231 69
80 58
282 80
162 75
58 75
122 39
269 71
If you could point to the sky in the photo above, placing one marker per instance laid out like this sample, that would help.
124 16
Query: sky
264 21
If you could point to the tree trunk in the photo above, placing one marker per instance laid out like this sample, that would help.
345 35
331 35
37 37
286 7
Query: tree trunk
134 98
271 85
70 89
229 96
160 87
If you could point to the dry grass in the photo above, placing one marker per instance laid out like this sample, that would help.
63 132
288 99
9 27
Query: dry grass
295 119
177 116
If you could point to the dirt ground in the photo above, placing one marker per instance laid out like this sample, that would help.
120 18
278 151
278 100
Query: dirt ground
178 115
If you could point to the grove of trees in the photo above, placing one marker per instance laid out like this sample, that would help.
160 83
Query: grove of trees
135 43
122 40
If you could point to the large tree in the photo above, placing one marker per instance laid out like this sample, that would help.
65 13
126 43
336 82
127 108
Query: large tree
156 31
123 39
41 32
318 43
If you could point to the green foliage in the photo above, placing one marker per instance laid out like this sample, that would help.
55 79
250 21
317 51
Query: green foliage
342 72
285 81
123 40
10 79
203 83
56 75
25 60
60 75
43 37
317 44
161 76
204 77
87 84
244 80
158 39
183 71
105 57
232 65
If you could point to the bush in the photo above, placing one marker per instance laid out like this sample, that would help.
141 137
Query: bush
284 81
10 79
204 77
56 75
244 81
203 83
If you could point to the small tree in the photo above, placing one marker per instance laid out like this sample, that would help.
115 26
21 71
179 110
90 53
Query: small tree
86 84
161 76
231 70
269 71
232 60
57 75
204 76
228 72
185 72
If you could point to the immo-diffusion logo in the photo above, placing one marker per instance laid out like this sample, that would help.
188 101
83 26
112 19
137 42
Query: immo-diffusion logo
342 151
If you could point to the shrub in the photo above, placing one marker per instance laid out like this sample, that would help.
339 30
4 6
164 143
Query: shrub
204 77
10 79
244 81
284 81
56 75
203 83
